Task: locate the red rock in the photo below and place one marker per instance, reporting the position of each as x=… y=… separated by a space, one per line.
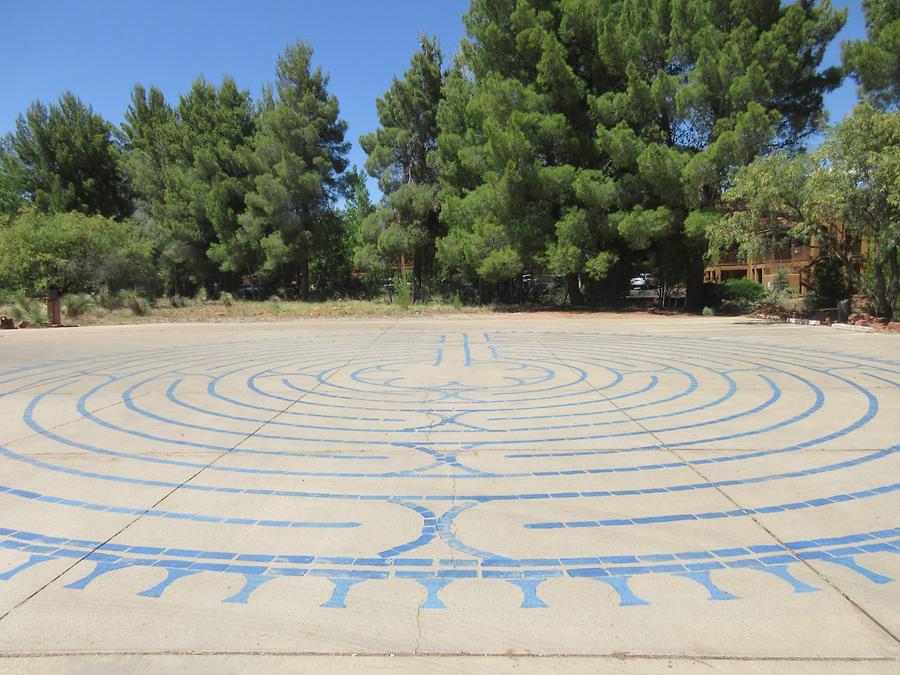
x=24 y=324
x=894 y=325
x=856 y=316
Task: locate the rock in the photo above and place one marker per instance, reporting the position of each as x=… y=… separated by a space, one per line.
x=24 y=324
x=851 y=327
x=856 y=316
x=894 y=325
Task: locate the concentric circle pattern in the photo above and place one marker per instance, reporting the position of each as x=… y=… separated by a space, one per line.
x=428 y=458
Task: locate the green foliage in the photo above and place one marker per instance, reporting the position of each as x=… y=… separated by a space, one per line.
x=568 y=137
x=70 y=159
x=845 y=198
x=12 y=181
x=830 y=280
x=190 y=166
x=853 y=198
x=709 y=311
x=398 y=156
x=765 y=202
x=581 y=131
x=76 y=304
x=456 y=302
x=226 y=298
x=136 y=302
x=742 y=290
x=403 y=291
x=201 y=295
x=109 y=300
x=299 y=154
x=72 y=251
x=875 y=62
x=31 y=310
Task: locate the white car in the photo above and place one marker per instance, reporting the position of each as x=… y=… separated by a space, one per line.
x=643 y=281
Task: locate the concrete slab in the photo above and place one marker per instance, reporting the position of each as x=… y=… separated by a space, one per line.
x=621 y=493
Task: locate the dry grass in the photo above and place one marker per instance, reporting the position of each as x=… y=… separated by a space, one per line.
x=162 y=311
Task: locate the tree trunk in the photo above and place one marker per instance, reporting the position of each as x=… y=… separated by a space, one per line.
x=894 y=280
x=417 y=276
x=304 y=278
x=576 y=297
x=882 y=304
x=693 y=301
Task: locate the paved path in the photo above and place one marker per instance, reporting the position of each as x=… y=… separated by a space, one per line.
x=625 y=493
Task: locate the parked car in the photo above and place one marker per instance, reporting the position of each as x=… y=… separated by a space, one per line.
x=249 y=292
x=643 y=281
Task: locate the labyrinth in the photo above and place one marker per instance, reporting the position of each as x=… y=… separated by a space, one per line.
x=506 y=457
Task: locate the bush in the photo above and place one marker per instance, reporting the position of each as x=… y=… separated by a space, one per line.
x=275 y=304
x=403 y=290
x=32 y=311
x=77 y=304
x=201 y=295
x=456 y=302
x=742 y=290
x=137 y=303
x=708 y=311
x=178 y=301
x=109 y=300
x=712 y=294
x=226 y=299
x=72 y=251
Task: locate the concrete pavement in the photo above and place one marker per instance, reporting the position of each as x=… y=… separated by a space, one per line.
x=617 y=493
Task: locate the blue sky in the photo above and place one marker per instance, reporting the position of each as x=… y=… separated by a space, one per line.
x=100 y=49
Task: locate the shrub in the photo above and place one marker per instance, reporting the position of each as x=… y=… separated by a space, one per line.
x=137 y=303
x=742 y=290
x=201 y=295
x=178 y=301
x=456 y=302
x=712 y=294
x=708 y=311
x=77 y=304
x=226 y=299
x=109 y=300
x=403 y=291
x=73 y=251
x=275 y=304
x=32 y=311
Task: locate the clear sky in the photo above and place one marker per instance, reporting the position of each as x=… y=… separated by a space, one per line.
x=100 y=48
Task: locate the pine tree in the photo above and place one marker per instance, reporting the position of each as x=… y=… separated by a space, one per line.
x=875 y=62
x=299 y=155
x=190 y=166
x=579 y=132
x=70 y=158
x=399 y=151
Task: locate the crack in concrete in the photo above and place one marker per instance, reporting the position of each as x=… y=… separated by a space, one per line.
x=734 y=502
x=194 y=475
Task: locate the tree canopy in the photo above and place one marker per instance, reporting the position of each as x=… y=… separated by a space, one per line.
x=574 y=134
x=583 y=140
x=70 y=159
x=875 y=61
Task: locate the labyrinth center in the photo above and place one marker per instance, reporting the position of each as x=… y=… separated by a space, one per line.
x=510 y=458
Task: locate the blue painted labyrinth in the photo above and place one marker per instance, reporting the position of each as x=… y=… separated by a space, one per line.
x=435 y=459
